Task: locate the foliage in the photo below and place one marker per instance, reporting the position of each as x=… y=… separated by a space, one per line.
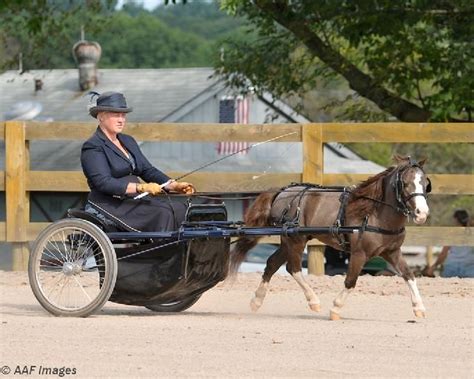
x=39 y=29
x=203 y=19
x=169 y=36
x=414 y=58
x=144 y=41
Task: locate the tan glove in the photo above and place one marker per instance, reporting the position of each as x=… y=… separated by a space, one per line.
x=151 y=188
x=181 y=187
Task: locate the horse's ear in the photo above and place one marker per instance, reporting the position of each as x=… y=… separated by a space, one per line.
x=397 y=158
x=422 y=162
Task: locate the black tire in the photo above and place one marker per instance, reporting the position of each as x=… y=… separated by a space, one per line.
x=176 y=306
x=72 y=268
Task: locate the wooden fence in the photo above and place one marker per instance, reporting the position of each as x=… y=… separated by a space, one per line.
x=18 y=180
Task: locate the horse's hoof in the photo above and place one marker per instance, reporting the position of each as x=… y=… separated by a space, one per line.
x=334 y=316
x=419 y=314
x=315 y=307
x=255 y=305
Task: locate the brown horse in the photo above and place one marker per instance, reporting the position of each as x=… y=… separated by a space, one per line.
x=381 y=204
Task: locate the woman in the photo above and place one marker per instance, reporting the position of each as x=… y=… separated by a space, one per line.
x=113 y=164
x=458 y=260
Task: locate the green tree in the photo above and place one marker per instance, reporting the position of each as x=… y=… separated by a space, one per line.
x=144 y=41
x=43 y=31
x=414 y=59
x=204 y=19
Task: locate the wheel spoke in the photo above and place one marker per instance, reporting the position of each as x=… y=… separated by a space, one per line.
x=50 y=254
x=82 y=288
x=56 y=284
x=51 y=267
x=94 y=280
x=49 y=264
x=55 y=245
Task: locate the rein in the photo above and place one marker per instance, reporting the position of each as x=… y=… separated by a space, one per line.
x=397 y=209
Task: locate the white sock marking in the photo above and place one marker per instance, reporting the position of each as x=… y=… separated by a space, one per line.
x=415 y=295
x=307 y=290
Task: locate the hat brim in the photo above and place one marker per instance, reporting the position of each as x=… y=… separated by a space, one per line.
x=95 y=110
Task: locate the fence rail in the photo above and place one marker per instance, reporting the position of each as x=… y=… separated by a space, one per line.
x=18 y=180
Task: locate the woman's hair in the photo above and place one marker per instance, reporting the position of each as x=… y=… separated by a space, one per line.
x=462 y=216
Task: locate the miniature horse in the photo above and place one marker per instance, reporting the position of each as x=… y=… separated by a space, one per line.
x=382 y=204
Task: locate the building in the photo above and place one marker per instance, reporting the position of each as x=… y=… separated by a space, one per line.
x=190 y=95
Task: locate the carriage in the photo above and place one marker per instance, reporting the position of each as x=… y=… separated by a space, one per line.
x=79 y=263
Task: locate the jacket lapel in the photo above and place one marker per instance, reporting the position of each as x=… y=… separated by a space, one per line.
x=131 y=148
x=108 y=143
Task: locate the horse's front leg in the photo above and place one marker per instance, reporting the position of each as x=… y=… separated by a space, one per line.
x=398 y=262
x=356 y=262
x=273 y=264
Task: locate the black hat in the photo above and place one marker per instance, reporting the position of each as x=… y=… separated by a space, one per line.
x=110 y=102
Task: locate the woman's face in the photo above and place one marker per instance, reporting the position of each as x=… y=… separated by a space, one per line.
x=112 y=122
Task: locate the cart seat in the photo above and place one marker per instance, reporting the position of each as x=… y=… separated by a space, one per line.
x=106 y=226
x=195 y=212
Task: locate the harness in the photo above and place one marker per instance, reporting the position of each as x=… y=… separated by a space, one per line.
x=284 y=218
x=343 y=238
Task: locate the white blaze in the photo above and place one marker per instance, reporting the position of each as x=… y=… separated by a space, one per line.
x=421 y=206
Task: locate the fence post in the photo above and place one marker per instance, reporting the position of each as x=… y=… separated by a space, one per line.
x=313 y=159
x=429 y=255
x=17 y=199
x=313 y=167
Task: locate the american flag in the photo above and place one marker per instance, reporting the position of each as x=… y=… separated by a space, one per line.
x=233 y=110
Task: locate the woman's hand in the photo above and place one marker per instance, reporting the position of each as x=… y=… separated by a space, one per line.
x=151 y=188
x=181 y=187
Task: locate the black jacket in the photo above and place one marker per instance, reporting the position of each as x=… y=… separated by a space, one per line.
x=108 y=170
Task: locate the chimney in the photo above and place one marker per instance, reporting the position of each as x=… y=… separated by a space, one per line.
x=87 y=54
x=38 y=85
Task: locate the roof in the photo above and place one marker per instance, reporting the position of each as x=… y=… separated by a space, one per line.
x=153 y=93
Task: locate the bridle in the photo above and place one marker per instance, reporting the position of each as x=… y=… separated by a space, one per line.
x=402 y=200
x=401 y=206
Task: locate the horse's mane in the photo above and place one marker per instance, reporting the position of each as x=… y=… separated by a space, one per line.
x=372 y=188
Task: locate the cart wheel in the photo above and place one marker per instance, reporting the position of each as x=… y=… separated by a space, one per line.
x=72 y=268
x=175 y=306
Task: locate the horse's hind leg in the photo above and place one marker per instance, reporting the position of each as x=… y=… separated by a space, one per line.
x=273 y=264
x=356 y=262
x=396 y=260
x=295 y=256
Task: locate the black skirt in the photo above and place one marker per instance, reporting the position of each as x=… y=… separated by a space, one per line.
x=148 y=214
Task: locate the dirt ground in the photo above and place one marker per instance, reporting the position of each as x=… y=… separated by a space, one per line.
x=220 y=337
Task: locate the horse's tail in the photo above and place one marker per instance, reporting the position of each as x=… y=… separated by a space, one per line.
x=257 y=215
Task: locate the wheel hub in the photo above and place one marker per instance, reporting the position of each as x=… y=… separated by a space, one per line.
x=71 y=268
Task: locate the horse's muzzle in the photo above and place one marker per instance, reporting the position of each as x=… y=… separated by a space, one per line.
x=420 y=219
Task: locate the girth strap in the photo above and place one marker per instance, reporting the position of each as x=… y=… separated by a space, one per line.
x=342 y=239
